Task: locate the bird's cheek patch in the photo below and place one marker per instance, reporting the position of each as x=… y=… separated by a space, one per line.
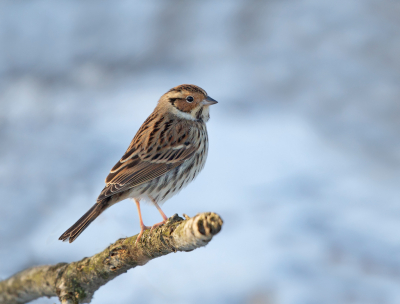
x=184 y=106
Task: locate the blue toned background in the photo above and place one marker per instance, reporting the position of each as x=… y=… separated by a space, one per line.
x=304 y=144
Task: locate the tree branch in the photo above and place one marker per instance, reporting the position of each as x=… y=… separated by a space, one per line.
x=76 y=282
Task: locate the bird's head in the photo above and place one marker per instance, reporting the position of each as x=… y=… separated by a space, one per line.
x=187 y=101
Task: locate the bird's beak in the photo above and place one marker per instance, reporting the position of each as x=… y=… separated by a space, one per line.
x=209 y=101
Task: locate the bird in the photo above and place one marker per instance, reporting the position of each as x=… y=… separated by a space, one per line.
x=166 y=154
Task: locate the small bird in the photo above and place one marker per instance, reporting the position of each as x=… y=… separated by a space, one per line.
x=166 y=154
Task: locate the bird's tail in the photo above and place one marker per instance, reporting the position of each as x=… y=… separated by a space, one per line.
x=76 y=229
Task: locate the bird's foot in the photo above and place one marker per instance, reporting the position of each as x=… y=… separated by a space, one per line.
x=158 y=225
x=142 y=229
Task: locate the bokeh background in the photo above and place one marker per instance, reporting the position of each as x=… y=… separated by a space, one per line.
x=305 y=142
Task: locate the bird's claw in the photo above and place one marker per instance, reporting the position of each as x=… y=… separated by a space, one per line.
x=143 y=228
x=157 y=225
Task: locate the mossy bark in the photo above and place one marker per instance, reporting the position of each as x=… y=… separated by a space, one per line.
x=76 y=282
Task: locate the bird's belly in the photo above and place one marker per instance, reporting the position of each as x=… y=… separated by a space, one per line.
x=166 y=186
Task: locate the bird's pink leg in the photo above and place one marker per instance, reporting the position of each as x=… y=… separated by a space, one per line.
x=142 y=226
x=162 y=214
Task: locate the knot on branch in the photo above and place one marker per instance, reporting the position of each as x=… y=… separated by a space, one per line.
x=197 y=231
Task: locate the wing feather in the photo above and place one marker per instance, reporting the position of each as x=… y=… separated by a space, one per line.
x=142 y=163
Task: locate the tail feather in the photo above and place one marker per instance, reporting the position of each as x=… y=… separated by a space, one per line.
x=76 y=229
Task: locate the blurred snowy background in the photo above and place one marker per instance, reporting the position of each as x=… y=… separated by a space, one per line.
x=305 y=142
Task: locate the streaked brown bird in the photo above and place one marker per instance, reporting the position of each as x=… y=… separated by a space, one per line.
x=166 y=154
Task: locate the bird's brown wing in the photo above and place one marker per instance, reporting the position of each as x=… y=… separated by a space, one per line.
x=139 y=165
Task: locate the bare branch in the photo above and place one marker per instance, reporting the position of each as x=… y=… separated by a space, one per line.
x=76 y=282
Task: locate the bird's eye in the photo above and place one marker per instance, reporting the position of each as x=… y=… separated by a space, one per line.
x=189 y=99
